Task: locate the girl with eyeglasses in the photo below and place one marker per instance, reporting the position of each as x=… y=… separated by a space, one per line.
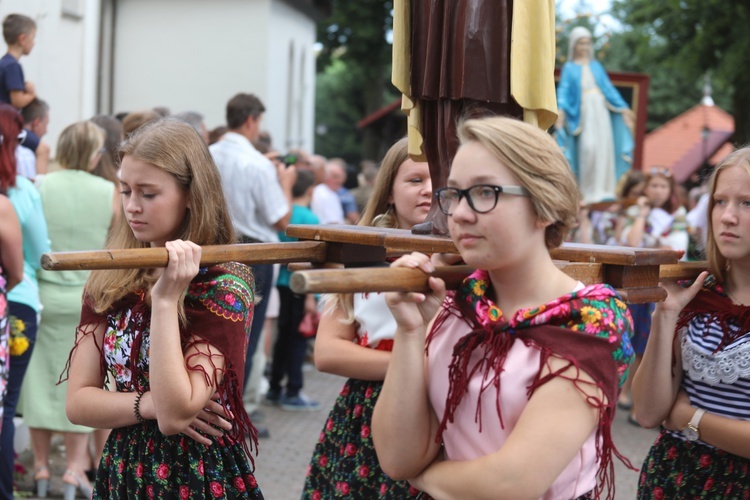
x=355 y=338
x=694 y=380
x=657 y=220
x=505 y=388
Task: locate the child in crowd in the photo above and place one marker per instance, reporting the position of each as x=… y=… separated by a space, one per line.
x=172 y=339
x=33 y=154
x=694 y=379
x=657 y=220
x=19 y=32
x=505 y=388
x=354 y=340
x=290 y=348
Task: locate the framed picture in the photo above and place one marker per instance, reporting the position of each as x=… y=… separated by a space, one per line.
x=634 y=89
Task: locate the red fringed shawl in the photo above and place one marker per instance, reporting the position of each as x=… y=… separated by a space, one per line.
x=219 y=309
x=590 y=329
x=713 y=301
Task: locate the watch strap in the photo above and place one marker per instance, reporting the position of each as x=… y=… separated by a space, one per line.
x=696 y=420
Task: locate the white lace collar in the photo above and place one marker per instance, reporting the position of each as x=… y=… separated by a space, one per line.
x=723 y=367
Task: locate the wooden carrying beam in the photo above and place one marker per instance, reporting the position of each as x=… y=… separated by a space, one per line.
x=635 y=272
x=387 y=279
x=336 y=244
x=249 y=253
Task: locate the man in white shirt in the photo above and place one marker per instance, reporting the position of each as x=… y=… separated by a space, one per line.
x=326 y=203
x=259 y=195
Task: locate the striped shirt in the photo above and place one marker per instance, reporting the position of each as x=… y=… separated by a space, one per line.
x=716 y=382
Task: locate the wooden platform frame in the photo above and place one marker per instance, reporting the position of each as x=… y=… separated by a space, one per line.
x=341 y=259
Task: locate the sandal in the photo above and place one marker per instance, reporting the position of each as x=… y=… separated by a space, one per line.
x=41 y=479
x=70 y=488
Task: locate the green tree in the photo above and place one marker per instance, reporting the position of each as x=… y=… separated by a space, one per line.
x=681 y=41
x=354 y=68
x=336 y=113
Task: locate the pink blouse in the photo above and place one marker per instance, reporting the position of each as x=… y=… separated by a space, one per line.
x=463 y=439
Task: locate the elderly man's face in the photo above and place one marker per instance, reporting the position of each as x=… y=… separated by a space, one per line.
x=335 y=177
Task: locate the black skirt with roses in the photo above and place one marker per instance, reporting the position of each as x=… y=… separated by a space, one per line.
x=675 y=468
x=344 y=463
x=141 y=462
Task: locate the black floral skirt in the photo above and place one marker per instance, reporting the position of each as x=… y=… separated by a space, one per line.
x=675 y=468
x=344 y=463
x=141 y=462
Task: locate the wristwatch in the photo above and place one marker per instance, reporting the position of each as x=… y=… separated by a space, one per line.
x=690 y=431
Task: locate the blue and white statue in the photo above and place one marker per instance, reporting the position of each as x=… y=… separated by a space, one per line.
x=594 y=122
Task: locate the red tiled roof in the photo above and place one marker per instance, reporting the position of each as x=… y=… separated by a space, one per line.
x=679 y=145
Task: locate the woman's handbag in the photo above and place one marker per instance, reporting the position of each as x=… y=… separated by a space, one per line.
x=308 y=327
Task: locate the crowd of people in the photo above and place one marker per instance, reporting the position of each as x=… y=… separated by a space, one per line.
x=504 y=388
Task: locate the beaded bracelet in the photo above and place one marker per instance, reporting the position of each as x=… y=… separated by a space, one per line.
x=137 y=408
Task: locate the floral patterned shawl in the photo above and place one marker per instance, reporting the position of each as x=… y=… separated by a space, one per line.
x=219 y=308
x=589 y=328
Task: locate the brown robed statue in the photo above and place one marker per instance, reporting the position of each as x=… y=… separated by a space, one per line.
x=470 y=58
x=451 y=58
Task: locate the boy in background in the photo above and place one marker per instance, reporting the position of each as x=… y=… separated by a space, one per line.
x=32 y=155
x=290 y=348
x=19 y=32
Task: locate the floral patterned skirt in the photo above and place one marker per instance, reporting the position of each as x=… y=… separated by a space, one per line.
x=344 y=463
x=141 y=462
x=675 y=468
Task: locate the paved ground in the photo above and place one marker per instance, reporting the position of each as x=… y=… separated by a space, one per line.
x=283 y=458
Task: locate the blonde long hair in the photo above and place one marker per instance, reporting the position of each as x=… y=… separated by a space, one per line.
x=377 y=213
x=717 y=263
x=176 y=148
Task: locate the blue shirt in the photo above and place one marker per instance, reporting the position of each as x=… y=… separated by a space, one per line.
x=31 y=140
x=28 y=205
x=347 y=201
x=300 y=215
x=11 y=77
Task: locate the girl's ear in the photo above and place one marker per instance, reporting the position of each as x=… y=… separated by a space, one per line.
x=543 y=224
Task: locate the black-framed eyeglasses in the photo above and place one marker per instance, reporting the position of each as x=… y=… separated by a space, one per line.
x=482 y=198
